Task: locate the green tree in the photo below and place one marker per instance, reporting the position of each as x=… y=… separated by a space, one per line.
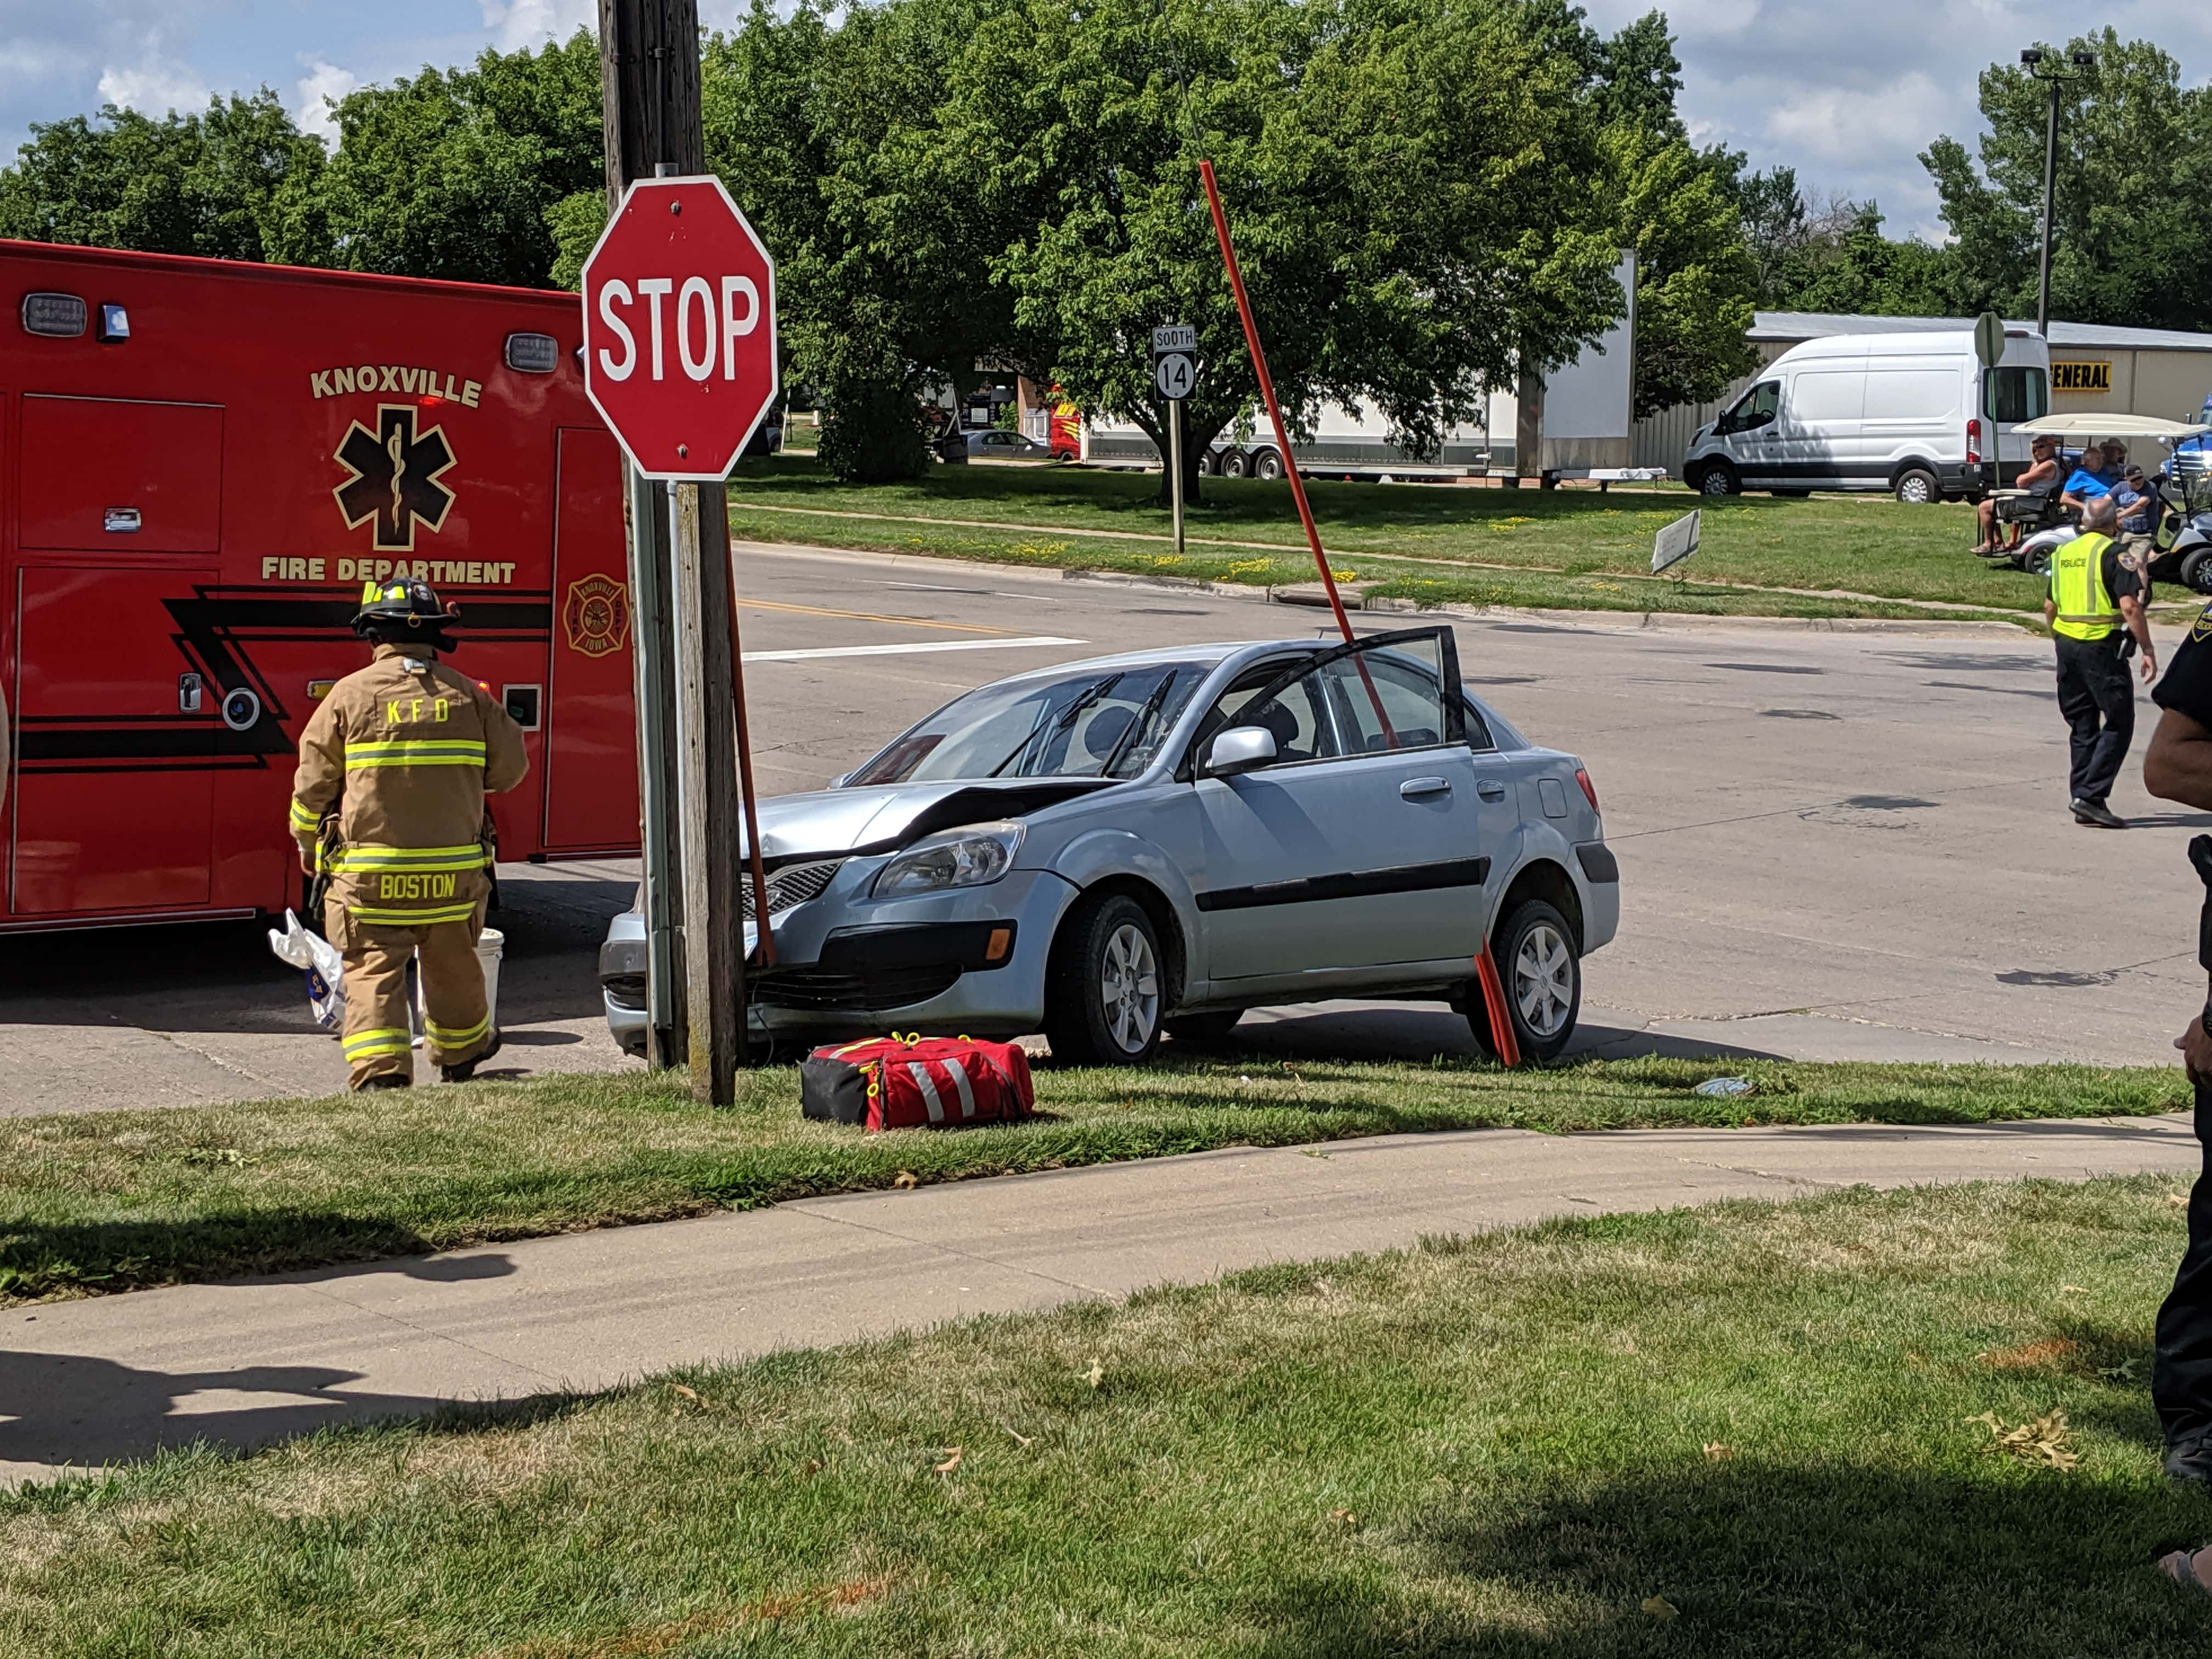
x=1681 y=211
x=2130 y=241
x=829 y=139
x=459 y=173
x=236 y=181
x=1869 y=274
x=1405 y=182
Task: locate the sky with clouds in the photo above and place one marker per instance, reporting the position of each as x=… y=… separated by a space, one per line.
x=1846 y=91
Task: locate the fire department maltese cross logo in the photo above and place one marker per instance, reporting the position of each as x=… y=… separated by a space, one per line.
x=395 y=478
x=595 y=616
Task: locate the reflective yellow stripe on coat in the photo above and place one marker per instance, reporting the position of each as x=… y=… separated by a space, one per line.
x=412 y=752
x=408 y=861
x=422 y=918
x=2086 y=611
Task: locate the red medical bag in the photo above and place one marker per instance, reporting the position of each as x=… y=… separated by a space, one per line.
x=917 y=1082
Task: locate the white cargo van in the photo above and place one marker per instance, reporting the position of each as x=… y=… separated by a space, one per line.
x=1900 y=412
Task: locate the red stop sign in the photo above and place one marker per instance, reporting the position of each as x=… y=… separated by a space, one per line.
x=679 y=328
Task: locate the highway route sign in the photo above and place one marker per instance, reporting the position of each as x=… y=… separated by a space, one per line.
x=1173 y=373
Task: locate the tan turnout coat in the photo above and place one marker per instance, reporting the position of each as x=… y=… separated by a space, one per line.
x=405 y=752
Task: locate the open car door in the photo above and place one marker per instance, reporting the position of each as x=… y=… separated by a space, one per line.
x=1356 y=847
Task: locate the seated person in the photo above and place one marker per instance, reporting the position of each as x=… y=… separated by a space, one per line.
x=2139 y=509
x=2039 y=477
x=2095 y=475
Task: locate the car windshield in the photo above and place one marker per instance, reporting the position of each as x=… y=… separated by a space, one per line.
x=1094 y=725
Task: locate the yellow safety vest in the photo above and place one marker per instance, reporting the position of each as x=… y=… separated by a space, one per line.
x=2086 y=611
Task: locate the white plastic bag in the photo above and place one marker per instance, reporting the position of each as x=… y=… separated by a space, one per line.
x=318 y=958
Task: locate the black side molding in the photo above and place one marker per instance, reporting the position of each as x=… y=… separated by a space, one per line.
x=1597 y=860
x=1350 y=883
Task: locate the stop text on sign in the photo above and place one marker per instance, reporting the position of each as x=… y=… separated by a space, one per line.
x=699 y=345
x=679 y=350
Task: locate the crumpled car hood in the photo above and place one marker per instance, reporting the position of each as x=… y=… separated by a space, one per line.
x=883 y=818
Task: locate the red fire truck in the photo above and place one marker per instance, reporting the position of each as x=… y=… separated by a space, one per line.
x=201 y=463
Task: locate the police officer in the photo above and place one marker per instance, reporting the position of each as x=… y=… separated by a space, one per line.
x=402 y=753
x=2093 y=608
x=2179 y=768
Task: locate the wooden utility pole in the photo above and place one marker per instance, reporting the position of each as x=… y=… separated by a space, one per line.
x=680 y=573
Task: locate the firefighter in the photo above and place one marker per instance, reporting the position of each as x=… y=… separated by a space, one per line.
x=401 y=754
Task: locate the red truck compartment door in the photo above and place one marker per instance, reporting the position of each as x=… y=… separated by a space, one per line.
x=591 y=735
x=109 y=475
x=115 y=789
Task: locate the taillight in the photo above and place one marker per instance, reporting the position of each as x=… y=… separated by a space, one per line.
x=1973 y=442
x=1590 y=789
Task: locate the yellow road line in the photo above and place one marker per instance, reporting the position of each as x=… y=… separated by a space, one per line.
x=870 y=615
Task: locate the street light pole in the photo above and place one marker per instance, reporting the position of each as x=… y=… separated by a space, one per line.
x=2055 y=75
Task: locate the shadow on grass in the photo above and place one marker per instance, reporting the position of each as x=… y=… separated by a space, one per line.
x=100 y=1257
x=1836 y=1562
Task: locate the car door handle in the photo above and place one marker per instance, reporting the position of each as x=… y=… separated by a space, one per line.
x=1489 y=789
x=188 y=694
x=1414 y=788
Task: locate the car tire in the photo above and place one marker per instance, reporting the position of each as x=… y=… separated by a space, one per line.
x=1233 y=465
x=1214 y=1027
x=1542 y=973
x=1107 y=985
x=1267 y=464
x=1918 y=487
x=1719 y=479
x=2195 y=572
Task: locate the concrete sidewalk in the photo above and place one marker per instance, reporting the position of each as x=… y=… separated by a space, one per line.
x=89 y=1382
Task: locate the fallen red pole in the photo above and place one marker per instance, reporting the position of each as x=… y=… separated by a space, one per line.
x=1267 y=395
x=1486 y=970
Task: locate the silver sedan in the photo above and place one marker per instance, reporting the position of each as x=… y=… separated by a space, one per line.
x=1107 y=851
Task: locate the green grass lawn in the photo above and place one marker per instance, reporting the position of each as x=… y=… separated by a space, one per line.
x=1745 y=1429
x=99 y=1202
x=1436 y=543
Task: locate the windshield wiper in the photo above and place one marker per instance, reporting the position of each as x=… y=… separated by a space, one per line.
x=1076 y=705
x=1145 y=716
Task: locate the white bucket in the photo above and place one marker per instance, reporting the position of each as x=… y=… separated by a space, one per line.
x=491 y=945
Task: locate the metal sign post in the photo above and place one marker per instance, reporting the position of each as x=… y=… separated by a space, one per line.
x=1988 y=346
x=1175 y=371
x=679 y=357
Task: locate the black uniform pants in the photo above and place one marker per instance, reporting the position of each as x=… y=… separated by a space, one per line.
x=2181 y=1367
x=2099 y=706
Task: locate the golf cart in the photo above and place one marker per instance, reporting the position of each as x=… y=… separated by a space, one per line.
x=2182 y=539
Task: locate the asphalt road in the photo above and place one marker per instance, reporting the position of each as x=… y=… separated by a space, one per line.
x=1832 y=845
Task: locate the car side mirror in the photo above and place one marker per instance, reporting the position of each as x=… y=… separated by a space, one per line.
x=1240 y=748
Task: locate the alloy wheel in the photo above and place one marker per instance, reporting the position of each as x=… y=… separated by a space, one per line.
x=1543 y=980
x=1129 y=987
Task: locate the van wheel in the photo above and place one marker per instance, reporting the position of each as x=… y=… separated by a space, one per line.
x=1719 y=479
x=1918 y=486
x=1103 y=1001
x=1267 y=464
x=1543 y=978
